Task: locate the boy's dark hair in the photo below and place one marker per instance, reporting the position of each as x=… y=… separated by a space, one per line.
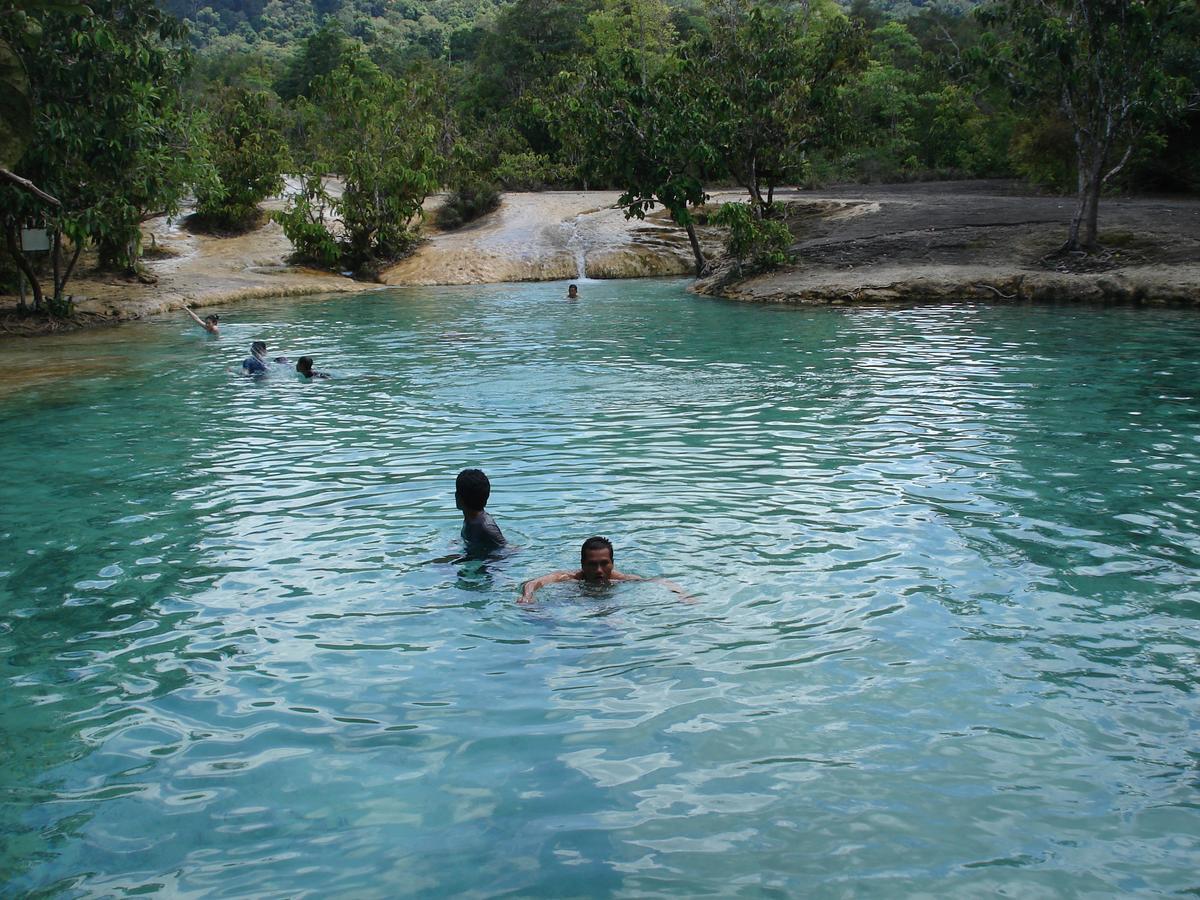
x=596 y=543
x=304 y=363
x=212 y=317
x=258 y=347
x=472 y=489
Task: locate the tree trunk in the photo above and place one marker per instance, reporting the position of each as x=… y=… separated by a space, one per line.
x=696 y=251
x=756 y=196
x=1084 y=224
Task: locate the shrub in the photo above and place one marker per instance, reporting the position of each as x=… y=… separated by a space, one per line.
x=247 y=152
x=467 y=203
x=529 y=171
x=1043 y=151
x=306 y=226
x=763 y=241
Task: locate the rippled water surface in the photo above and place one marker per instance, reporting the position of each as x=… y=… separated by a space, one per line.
x=944 y=638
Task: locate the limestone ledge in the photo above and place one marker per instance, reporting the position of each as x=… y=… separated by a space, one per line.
x=1142 y=285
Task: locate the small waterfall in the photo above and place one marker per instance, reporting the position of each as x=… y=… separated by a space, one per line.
x=575 y=245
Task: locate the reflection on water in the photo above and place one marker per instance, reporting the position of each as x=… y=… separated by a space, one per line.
x=945 y=639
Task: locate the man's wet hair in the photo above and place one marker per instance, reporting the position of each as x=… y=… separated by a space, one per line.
x=258 y=347
x=212 y=317
x=304 y=364
x=472 y=489
x=596 y=543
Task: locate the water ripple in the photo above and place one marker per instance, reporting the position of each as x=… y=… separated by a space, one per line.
x=944 y=641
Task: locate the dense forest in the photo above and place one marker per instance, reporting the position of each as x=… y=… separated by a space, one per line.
x=117 y=111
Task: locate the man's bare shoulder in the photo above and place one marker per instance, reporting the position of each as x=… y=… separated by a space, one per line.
x=625 y=576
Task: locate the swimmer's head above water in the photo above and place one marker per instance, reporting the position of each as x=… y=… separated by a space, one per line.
x=572 y=292
x=472 y=490
x=596 y=559
x=259 y=349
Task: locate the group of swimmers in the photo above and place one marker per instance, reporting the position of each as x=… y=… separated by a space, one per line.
x=472 y=489
x=256 y=362
x=481 y=536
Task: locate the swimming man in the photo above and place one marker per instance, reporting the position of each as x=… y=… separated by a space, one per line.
x=572 y=292
x=595 y=567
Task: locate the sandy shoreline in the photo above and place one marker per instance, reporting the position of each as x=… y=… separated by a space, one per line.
x=931 y=242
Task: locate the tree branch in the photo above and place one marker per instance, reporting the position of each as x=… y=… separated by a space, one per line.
x=28 y=186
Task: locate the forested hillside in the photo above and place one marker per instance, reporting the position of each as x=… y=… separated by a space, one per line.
x=428 y=26
x=123 y=110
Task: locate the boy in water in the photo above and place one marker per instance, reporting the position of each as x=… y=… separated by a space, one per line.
x=480 y=533
x=209 y=323
x=304 y=365
x=572 y=292
x=255 y=364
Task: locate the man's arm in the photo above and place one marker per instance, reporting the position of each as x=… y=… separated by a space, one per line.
x=532 y=587
x=676 y=589
x=195 y=318
x=669 y=585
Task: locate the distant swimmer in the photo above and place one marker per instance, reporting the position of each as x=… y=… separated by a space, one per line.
x=572 y=292
x=480 y=533
x=304 y=365
x=255 y=363
x=595 y=567
x=209 y=323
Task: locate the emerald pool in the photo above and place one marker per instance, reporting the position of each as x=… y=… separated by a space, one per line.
x=945 y=638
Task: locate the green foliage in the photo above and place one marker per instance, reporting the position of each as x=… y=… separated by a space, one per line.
x=1104 y=63
x=640 y=136
x=762 y=241
x=307 y=225
x=111 y=138
x=322 y=53
x=1043 y=151
x=466 y=203
x=248 y=154
x=379 y=136
x=763 y=82
x=529 y=171
x=642 y=28
x=16 y=111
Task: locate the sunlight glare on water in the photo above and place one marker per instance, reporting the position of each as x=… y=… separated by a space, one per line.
x=944 y=639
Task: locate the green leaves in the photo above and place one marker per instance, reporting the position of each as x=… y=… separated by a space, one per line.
x=16 y=110
x=380 y=136
x=247 y=153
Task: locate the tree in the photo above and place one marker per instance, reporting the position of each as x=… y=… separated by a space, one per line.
x=1101 y=61
x=322 y=53
x=641 y=27
x=248 y=154
x=764 y=81
x=379 y=135
x=639 y=136
x=111 y=138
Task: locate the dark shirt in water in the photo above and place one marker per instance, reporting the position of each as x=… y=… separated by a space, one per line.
x=481 y=534
x=252 y=365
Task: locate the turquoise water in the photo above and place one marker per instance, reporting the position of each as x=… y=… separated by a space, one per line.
x=945 y=638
